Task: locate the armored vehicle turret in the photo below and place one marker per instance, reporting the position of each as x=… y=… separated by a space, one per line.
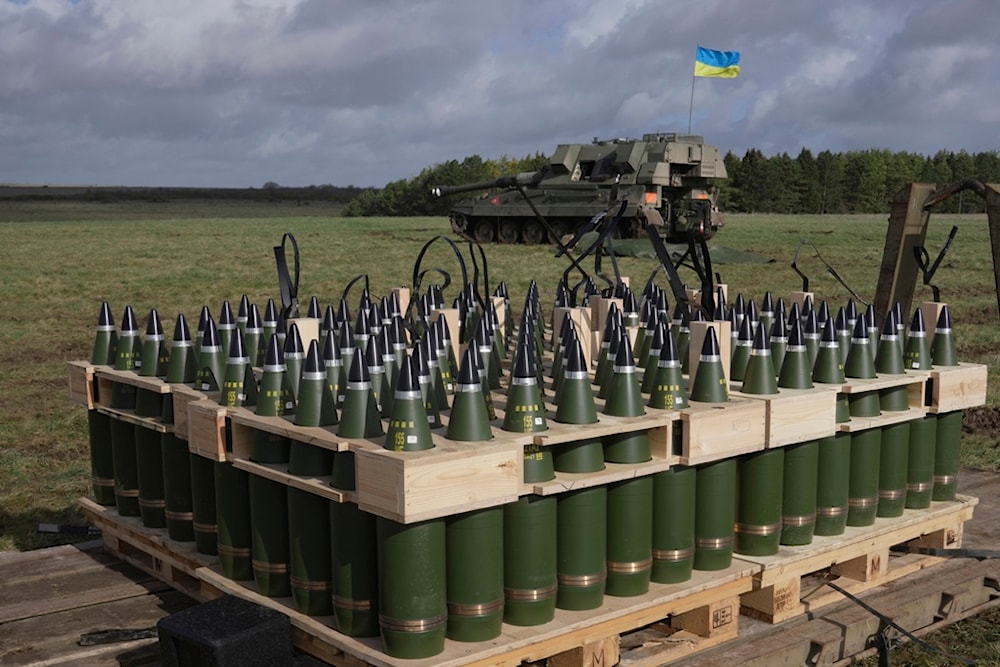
x=673 y=174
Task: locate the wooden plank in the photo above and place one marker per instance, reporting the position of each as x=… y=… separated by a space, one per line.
x=613 y=472
x=278 y=472
x=862 y=385
x=797 y=415
x=183 y=396
x=134 y=419
x=713 y=431
x=884 y=419
x=957 y=387
x=207 y=429
x=51 y=639
x=452 y=477
x=52 y=595
x=244 y=422
x=80 y=377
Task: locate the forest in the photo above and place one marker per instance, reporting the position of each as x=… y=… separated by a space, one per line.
x=824 y=183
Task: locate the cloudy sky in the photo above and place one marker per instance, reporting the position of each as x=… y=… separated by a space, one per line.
x=238 y=92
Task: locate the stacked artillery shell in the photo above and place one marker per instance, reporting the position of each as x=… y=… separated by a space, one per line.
x=102 y=463
x=741 y=351
x=408 y=428
x=923 y=431
x=778 y=341
x=895 y=445
x=715 y=491
x=178 y=491
x=525 y=409
x=799 y=492
x=413 y=609
x=947 y=449
x=654 y=343
x=226 y=325
x=360 y=417
x=333 y=366
x=179 y=464
x=582 y=515
x=605 y=356
x=630 y=503
x=211 y=358
x=529 y=560
x=681 y=328
x=760 y=376
x=354 y=552
x=709 y=383
x=294 y=354
x=866 y=446
x=668 y=388
x=834 y=451
x=759 y=509
x=269 y=499
x=377 y=376
x=475 y=574
x=673 y=525
x=469 y=420
x=796 y=368
x=811 y=335
x=235 y=540
x=311 y=576
x=148 y=442
x=123 y=432
x=425 y=381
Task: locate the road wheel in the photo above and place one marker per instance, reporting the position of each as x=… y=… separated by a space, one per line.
x=484 y=232
x=534 y=233
x=508 y=231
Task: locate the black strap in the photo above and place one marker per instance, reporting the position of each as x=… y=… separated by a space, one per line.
x=881 y=639
x=289 y=289
x=920 y=254
x=981 y=554
x=830 y=270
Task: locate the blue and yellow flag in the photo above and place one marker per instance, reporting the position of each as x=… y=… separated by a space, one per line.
x=723 y=64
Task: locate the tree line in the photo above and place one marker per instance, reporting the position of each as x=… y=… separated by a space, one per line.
x=837 y=183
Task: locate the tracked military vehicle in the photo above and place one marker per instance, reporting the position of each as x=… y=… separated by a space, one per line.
x=672 y=175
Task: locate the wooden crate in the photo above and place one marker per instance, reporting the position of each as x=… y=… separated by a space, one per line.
x=452 y=477
x=81 y=382
x=207 y=429
x=184 y=396
x=713 y=431
x=797 y=415
x=857 y=560
x=107 y=377
x=957 y=387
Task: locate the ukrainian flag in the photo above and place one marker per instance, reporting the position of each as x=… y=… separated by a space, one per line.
x=723 y=64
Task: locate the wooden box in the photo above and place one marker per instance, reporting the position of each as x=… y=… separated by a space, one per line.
x=81 y=382
x=452 y=477
x=797 y=415
x=713 y=431
x=957 y=387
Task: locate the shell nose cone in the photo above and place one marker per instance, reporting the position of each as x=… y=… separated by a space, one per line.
x=273 y=355
x=182 y=334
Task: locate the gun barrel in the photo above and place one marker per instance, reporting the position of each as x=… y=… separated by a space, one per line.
x=528 y=178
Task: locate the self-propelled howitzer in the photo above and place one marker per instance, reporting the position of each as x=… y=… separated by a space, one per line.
x=674 y=175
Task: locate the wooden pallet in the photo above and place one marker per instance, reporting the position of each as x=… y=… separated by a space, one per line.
x=699 y=613
x=149 y=549
x=793 y=582
x=703 y=611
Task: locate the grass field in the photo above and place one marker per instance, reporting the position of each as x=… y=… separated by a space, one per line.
x=60 y=260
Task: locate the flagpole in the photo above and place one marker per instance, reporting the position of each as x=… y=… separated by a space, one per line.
x=691 y=106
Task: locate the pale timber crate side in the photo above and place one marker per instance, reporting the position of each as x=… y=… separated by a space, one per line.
x=713 y=431
x=81 y=382
x=798 y=415
x=130 y=417
x=278 y=472
x=451 y=478
x=243 y=423
x=957 y=387
x=183 y=396
x=207 y=434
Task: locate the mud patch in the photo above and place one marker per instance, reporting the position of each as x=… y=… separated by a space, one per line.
x=984 y=420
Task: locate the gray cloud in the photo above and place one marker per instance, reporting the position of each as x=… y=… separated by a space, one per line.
x=238 y=92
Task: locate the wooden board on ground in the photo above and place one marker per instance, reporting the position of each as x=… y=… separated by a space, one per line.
x=50 y=597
